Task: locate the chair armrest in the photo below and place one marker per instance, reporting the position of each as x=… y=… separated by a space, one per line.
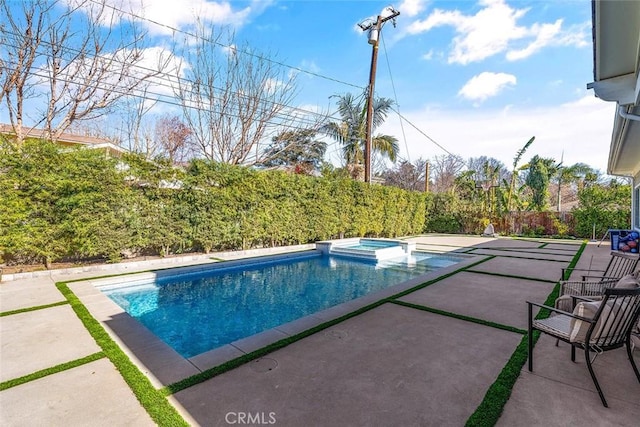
x=557 y=310
x=572 y=269
x=577 y=287
x=586 y=299
x=586 y=269
x=594 y=276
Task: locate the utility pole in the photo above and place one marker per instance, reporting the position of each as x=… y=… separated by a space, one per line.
x=426 y=178
x=374 y=28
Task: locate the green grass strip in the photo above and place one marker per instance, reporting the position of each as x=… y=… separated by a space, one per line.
x=527 y=258
x=574 y=261
x=220 y=369
x=491 y=407
x=511 y=276
x=154 y=402
x=28 y=309
x=50 y=371
x=489 y=411
x=437 y=279
x=461 y=317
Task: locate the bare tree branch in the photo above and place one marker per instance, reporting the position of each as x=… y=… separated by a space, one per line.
x=233 y=101
x=87 y=71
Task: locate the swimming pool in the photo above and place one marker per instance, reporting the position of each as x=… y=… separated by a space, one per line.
x=197 y=312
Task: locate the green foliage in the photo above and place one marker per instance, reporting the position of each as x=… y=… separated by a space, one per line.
x=153 y=401
x=443 y=215
x=450 y=213
x=606 y=206
x=351 y=130
x=78 y=204
x=299 y=149
x=540 y=172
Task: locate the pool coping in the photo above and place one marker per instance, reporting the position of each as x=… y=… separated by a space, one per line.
x=165 y=366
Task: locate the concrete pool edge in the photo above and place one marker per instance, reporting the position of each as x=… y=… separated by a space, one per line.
x=164 y=366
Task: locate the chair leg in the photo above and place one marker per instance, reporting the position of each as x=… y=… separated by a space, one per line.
x=633 y=362
x=530 y=340
x=593 y=376
x=573 y=353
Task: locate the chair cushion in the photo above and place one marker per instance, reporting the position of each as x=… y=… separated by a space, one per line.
x=604 y=327
x=579 y=328
x=630 y=281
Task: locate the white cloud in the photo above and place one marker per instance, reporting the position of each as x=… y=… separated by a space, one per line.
x=494 y=29
x=411 y=7
x=160 y=16
x=581 y=128
x=545 y=35
x=428 y=56
x=486 y=85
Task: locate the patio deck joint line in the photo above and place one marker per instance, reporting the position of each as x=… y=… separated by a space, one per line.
x=52 y=370
x=151 y=399
x=512 y=276
x=241 y=360
x=461 y=317
x=34 y=308
x=492 y=405
x=248 y=357
x=529 y=258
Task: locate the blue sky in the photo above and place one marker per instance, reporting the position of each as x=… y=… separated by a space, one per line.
x=480 y=77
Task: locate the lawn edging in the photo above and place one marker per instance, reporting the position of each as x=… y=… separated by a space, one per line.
x=151 y=399
x=491 y=407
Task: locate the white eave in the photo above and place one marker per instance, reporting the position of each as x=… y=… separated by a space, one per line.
x=621 y=89
x=616 y=58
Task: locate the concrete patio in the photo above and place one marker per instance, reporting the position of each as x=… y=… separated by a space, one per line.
x=395 y=364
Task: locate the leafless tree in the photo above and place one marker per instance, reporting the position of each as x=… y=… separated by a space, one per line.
x=234 y=99
x=71 y=49
x=444 y=170
x=20 y=42
x=138 y=127
x=407 y=175
x=173 y=136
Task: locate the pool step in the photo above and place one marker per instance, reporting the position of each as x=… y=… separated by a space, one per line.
x=375 y=255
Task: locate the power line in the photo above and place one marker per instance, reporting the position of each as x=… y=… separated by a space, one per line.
x=423 y=133
x=284 y=120
x=177 y=30
x=395 y=95
x=170 y=78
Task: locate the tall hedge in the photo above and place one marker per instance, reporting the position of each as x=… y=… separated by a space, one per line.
x=77 y=204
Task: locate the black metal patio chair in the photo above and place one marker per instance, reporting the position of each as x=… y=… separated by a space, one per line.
x=594 y=326
x=620 y=264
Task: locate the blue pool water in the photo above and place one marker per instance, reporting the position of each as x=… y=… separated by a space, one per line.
x=199 y=312
x=371 y=246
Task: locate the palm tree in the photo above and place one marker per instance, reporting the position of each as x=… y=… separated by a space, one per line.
x=350 y=131
x=569 y=175
x=514 y=173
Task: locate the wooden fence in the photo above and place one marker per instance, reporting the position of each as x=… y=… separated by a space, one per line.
x=535 y=223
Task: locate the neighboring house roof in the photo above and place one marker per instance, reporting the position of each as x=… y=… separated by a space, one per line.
x=67 y=139
x=616 y=60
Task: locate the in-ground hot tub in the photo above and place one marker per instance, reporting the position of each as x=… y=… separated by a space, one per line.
x=367 y=249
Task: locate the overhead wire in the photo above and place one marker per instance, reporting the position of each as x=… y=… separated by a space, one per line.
x=284 y=120
x=395 y=95
x=282 y=117
x=423 y=133
x=215 y=42
x=170 y=79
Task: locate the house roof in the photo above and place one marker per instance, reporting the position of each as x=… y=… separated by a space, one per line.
x=68 y=139
x=616 y=58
